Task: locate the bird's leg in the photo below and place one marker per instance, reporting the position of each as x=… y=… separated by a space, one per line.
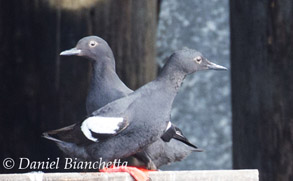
x=137 y=174
x=146 y=158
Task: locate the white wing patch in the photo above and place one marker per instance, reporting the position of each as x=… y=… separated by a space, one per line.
x=169 y=125
x=100 y=125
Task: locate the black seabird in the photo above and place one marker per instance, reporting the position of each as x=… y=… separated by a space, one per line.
x=128 y=125
x=106 y=87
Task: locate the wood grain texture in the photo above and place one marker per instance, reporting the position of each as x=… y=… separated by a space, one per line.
x=198 y=175
x=262 y=76
x=41 y=90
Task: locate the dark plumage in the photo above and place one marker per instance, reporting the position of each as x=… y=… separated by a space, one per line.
x=106 y=86
x=149 y=106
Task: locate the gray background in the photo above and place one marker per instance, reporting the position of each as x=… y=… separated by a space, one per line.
x=202 y=109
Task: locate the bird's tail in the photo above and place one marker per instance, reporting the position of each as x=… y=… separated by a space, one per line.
x=177 y=134
x=47 y=136
x=70 y=149
x=197 y=150
x=186 y=141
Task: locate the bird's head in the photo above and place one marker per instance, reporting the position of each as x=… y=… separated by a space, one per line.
x=190 y=61
x=91 y=47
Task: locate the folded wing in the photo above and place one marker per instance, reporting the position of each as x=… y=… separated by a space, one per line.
x=97 y=128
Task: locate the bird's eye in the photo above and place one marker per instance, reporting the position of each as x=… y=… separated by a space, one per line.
x=198 y=59
x=93 y=43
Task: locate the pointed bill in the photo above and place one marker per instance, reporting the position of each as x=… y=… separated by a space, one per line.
x=214 y=66
x=73 y=51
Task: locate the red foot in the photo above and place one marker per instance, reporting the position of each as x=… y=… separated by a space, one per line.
x=139 y=174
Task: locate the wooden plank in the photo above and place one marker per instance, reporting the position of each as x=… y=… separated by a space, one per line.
x=202 y=175
x=262 y=76
x=42 y=91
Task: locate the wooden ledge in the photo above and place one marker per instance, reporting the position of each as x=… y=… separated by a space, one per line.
x=199 y=175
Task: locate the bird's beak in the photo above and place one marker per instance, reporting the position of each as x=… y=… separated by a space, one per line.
x=214 y=66
x=73 y=51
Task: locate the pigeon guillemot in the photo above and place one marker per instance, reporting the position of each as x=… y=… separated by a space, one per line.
x=106 y=87
x=128 y=125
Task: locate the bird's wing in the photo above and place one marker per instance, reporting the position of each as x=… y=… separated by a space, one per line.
x=97 y=128
x=70 y=134
x=174 y=132
x=169 y=132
